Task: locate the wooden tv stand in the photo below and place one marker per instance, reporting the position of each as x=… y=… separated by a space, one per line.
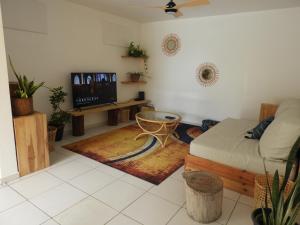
x=112 y=109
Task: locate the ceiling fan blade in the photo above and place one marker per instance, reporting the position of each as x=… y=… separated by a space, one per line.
x=178 y=14
x=156 y=7
x=193 y=3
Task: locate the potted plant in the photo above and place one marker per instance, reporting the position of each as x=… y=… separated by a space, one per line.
x=136 y=51
x=22 y=102
x=283 y=210
x=135 y=76
x=59 y=118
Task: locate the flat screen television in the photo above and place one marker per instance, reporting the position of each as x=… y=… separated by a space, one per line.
x=91 y=89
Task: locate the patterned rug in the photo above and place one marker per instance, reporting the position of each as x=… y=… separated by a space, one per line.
x=143 y=158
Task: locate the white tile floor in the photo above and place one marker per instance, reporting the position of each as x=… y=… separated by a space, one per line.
x=79 y=191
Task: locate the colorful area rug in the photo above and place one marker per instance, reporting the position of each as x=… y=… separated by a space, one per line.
x=143 y=158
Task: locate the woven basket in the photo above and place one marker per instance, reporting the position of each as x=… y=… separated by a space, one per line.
x=260 y=189
x=51 y=137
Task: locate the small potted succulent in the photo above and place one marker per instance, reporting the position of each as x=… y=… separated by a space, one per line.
x=22 y=102
x=283 y=210
x=59 y=118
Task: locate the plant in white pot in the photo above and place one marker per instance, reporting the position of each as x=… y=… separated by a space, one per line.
x=283 y=210
x=59 y=118
x=22 y=102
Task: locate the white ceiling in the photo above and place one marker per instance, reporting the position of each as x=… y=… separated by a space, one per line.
x=138 y=10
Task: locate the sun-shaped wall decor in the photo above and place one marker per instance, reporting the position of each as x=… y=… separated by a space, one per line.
x=171 y=45
x=207 y=74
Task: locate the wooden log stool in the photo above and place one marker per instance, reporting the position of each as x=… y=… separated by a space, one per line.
x=204 y=196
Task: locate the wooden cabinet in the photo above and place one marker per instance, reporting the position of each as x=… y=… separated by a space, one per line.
x=31 y=142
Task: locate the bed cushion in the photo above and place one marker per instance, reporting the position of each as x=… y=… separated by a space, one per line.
x=225 y=143
x=279 y=138
x=288 y=104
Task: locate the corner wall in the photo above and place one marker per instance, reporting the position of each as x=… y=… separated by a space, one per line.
x=256 y=53
x=8 y=164
x=73 y=43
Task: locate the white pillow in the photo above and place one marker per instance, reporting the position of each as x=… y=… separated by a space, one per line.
x=293 y=103
x=280 y=136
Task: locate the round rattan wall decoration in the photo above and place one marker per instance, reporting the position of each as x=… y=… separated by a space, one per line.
x=207 y=74
x=171 y=45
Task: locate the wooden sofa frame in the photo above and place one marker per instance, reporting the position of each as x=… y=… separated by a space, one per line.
x=238 y=180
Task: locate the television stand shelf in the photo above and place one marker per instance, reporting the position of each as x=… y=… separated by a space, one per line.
x=134 y=82
x=112 y=113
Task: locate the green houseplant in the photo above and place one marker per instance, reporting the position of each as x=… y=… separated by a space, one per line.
x=59 y=118
x=136 y=51
x=22 y=102
x=283 y=210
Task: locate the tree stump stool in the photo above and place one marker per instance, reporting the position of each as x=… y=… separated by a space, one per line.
x=204 y=196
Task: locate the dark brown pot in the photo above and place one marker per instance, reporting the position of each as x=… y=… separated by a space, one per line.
x=59 y=133
x=135 y=77
x=22 y=106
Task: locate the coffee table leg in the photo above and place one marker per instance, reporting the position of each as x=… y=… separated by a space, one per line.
x=140 y=135
x=162 y=134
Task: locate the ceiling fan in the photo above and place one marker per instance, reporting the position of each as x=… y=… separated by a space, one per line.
x=173 y=9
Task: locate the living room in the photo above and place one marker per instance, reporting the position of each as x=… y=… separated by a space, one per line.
x=120 y=161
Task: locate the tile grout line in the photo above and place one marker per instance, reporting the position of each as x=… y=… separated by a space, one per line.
x=112 y=218
x=146 y=192
x=88 y=196
x=64 y=182
x=69 y=163
x=131 y=218
x=27 y=200
x=235 y=205
x=116 y=178
x=176 y=212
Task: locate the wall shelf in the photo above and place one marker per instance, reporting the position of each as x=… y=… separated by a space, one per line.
x=132 y=57
x=134 y=82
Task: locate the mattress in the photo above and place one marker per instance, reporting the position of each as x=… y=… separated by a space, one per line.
x=225 y=143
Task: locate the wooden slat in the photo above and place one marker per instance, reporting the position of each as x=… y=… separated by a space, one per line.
x=134 y=82
x=107 y=107
x=31 y=137
x=267 y=110
x=235 y=179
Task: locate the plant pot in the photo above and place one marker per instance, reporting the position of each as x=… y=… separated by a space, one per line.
x=22 y=106
x=257 y=216
x=51 y=137
x=135 y=77
x=59 y=133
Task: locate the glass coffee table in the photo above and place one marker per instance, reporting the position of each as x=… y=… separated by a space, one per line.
x=157 y=124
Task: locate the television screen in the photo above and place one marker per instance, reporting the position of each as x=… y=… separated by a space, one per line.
x=93 y=89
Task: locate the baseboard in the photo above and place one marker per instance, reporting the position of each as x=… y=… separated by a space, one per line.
x=7 y=179
x=191 y=123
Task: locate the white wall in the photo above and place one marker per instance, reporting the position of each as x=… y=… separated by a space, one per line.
x=73 y=43
x=8 y=165
x=257 y=54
